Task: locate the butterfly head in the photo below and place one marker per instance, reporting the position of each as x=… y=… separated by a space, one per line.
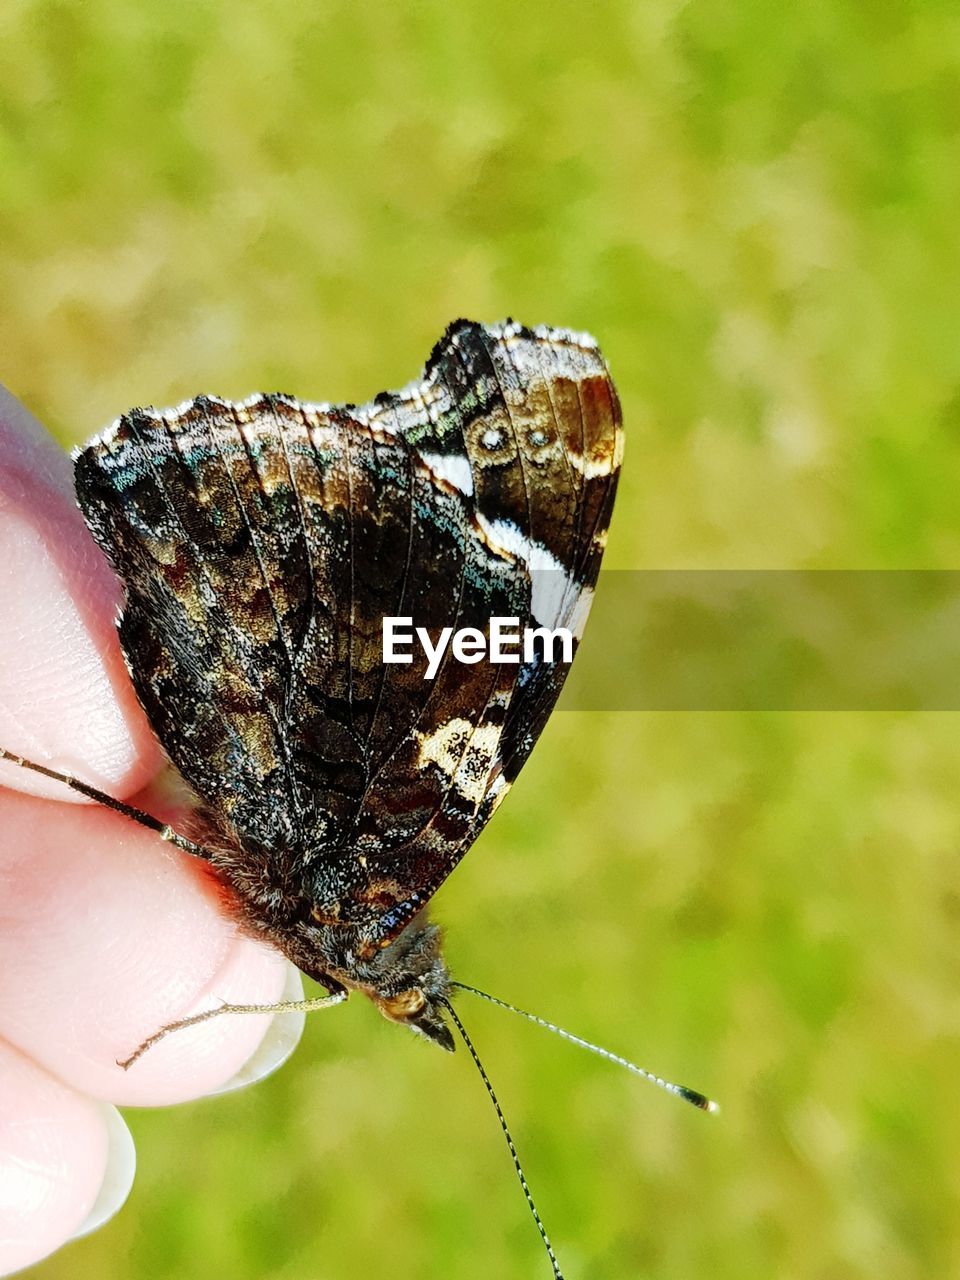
x=411 y=983
x=407 y=979
x=415 y=1009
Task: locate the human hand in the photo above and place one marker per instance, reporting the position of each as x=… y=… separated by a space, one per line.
x=106 y=933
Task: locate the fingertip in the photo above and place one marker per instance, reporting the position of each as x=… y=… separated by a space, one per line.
x=221 y=1053
x=54 y=1152
x=280 y=1039
x=118 y=1174
x=65 y=695
x=110 y=934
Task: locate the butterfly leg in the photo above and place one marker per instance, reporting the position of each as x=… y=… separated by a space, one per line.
x=284 y=1006
x=136 y=815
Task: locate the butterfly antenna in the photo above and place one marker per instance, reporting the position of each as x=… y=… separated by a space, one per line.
x=693 y=1096
x=557 y=1273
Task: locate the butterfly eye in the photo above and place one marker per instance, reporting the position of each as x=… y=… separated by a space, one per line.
x=405 y=1005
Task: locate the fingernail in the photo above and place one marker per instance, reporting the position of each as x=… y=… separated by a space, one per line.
x=283 y=1036
x=118 y=1178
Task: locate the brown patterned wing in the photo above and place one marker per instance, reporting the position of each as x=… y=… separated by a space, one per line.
x=261 y=545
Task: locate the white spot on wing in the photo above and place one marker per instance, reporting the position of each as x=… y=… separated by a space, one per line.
x=444 y=746
x=455 y=470
x=555 y=598
x=464 y=753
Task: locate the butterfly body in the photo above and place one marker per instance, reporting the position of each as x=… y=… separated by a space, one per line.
x=261 y=545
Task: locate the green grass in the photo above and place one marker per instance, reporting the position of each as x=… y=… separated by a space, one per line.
x=754 y=207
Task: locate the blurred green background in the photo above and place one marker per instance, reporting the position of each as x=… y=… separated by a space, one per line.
x=755 y=208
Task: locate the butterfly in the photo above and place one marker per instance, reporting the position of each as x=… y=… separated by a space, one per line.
x=264 y=544
x=261 y=544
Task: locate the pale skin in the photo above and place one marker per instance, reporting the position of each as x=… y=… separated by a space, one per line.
x=106 y=932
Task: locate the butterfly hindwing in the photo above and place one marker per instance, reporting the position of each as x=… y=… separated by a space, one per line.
x=261 y=545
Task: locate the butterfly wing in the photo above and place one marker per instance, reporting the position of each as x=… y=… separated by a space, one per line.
x=261 y=545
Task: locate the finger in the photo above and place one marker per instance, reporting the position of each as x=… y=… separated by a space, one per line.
x=109 y=934
x=54 y=1152
x=65 y=696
